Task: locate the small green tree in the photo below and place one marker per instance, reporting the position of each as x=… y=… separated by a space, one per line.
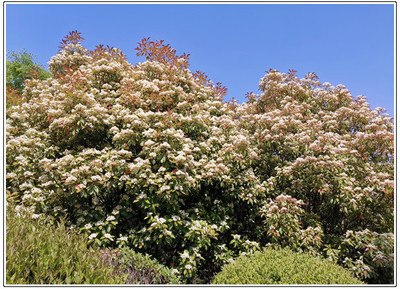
x=20 y=66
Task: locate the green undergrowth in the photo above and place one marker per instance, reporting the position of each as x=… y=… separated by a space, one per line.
x=38 y=252
x=41 y=251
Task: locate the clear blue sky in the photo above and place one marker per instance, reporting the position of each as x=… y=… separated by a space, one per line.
x=351 y=44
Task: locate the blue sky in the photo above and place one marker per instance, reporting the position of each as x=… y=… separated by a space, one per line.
x=350 y=44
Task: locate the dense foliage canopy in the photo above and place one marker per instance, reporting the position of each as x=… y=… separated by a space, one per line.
x=149 y=156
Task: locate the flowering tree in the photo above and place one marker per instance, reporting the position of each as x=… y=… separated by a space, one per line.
x=148 y=156
x=317 y=144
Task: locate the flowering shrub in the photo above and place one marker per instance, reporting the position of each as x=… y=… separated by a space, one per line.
x=317 y=144
x=148 y=156
x=145 y=156
x=368 y=254
x=284 y=226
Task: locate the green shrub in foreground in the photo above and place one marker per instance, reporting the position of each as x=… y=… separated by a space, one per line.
x=282 y=266
x=39 y=254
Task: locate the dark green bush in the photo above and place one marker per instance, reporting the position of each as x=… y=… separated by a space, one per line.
x=39 y=253
x=282 y=266
x=141 y=269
